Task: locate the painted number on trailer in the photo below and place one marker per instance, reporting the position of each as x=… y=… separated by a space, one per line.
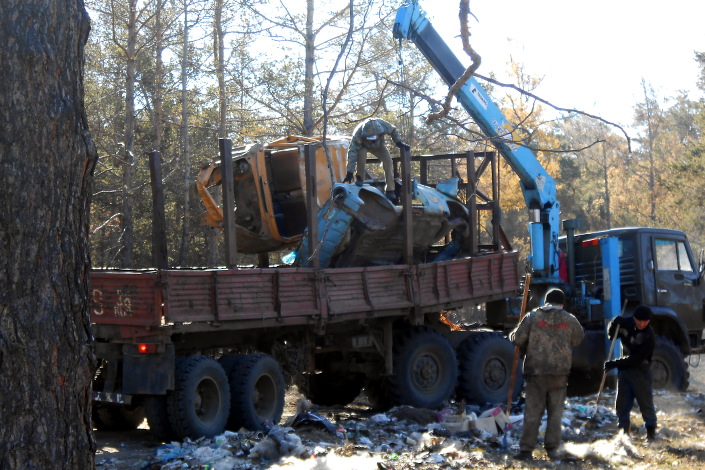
x=123 y=306
x=97 y=295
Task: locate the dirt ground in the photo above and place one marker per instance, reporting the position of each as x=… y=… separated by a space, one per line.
x=370 y=442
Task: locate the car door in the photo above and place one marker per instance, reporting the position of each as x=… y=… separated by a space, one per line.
x=676 y=279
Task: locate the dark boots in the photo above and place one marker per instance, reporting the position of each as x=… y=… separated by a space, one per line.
x=651 y=433
x=626 y=429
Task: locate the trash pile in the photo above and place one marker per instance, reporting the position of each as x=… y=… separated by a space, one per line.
x=459 y=436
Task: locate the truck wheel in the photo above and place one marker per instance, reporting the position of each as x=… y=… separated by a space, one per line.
x=200 y=403
x=155 y=408
x=108 y=417
x=257 y=390
x=670 y=371
x=486 y=361
x=425 y=369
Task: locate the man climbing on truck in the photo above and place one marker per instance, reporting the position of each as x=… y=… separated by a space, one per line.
x=635 y=377
x=369 y=137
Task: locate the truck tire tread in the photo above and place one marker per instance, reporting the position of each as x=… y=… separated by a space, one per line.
x=257 y=390
x=669 y=368
x=425 y=368
x=187 y=394
x=485 y=366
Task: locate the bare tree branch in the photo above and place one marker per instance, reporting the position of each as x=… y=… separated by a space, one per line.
x=558 y=108
x=483 y=137
x=469 y=72
x=342 y=52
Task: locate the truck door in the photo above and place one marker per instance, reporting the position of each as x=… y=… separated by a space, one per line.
x=676 y=279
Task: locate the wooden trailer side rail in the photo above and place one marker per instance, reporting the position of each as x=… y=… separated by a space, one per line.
x=275 y=297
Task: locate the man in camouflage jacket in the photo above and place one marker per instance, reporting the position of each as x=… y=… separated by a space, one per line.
x=547 y=335
x=368 y=136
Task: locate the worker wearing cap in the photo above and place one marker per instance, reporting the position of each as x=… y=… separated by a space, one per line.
x=369 y=137
x=547 y=335
x=635 y=381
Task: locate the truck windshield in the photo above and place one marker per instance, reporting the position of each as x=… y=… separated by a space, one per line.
x=672 y=255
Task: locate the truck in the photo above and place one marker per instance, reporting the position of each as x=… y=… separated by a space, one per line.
x=366 y=306
x=604 y=274
x=198 y=351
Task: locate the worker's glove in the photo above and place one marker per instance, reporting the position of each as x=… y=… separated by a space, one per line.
x=609 y=365
x=402 y=145
x=348 y=177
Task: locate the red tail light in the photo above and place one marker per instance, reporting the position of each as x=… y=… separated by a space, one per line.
x=147 y=348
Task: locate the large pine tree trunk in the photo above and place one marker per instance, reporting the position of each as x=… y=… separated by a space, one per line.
x=128 y=170
x=187 y=179
x=309 y=62
x=46 y=163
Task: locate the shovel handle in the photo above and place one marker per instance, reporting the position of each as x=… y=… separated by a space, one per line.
x=609 y=357
x=515 y=363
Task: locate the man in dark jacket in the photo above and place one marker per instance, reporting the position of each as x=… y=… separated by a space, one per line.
x=548 y=335
x=368 y=136
x=635 y=379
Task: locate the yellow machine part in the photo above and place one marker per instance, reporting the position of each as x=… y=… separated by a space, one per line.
x=279 y=177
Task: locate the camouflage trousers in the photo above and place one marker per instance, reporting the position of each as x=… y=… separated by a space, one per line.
x=543 y=393
x=385 y=157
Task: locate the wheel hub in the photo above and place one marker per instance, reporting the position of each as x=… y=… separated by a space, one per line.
x=427 y=372
x=495 y=374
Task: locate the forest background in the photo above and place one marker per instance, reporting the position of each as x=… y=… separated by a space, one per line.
x=177 y=75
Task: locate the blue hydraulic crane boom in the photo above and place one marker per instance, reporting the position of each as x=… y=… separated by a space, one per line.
x=538 y=186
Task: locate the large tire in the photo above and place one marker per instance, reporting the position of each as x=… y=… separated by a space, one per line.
x=670 y=371
x=155 y=408
x=257 y=389
x=425 y=369
x=113 y=417
x=200 y=403
x=485 y=363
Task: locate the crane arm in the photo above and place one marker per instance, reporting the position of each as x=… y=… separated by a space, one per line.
x=539 y=188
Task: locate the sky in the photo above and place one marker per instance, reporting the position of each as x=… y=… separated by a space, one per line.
x=592 y=55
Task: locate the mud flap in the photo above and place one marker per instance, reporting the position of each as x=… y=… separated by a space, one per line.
x=149 y=374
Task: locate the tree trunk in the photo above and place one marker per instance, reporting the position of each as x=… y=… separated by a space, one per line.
x=185 y=144
x=128 y=169
x=219 y=55
x=219 y=59
x=308 y=70
x=159 y=46
x=606 y=182
x=46 y=162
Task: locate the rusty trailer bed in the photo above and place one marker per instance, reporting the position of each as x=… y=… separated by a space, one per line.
x=141 y=303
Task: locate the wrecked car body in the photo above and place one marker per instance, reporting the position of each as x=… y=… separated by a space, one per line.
x=359 y=226
x=270 y=190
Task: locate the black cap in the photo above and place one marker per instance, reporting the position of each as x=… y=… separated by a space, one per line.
x=555 y=296
x=642 y=313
